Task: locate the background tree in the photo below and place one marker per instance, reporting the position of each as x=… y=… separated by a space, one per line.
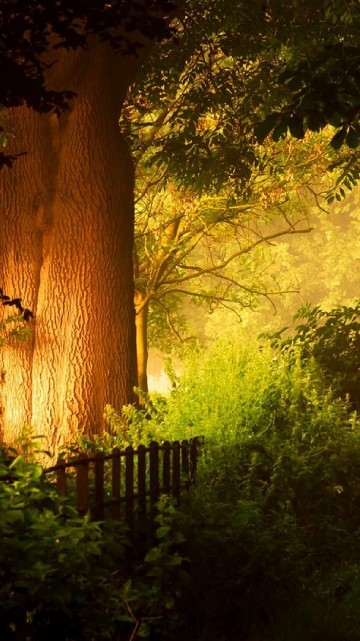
x=209 y=251
x=207 y=194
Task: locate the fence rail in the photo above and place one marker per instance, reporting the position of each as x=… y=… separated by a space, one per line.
x=127 y=484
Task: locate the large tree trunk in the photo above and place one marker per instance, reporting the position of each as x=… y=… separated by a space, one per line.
x=66 y=248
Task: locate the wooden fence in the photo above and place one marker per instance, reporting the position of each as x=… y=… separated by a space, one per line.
x=126 y=485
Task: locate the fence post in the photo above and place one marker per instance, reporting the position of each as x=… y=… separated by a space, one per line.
x=176 y=471
x=116 y=484
x=61 y=477
x=82 y=484
x=98 y=509
x=141 y=479
x=166 y=467
x=129 y=489
x=185 y=462
x=194 y=453
x=185 y=456
x=154 y=476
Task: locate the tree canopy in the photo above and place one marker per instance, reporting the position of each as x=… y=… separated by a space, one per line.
x=324 y=83
x=32 y=32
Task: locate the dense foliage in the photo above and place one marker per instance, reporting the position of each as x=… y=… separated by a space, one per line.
x=68 y=578
x=272 y=524
x=325 y=82
x=332 y=339
x=274 y=520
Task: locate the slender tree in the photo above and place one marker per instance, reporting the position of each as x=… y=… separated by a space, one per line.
x=207 y=194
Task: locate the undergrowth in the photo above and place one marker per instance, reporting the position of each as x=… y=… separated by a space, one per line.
x=67 y=578
x=265 y=546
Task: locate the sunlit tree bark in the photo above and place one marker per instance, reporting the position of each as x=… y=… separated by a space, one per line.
x=142 y=314
x=66 y=248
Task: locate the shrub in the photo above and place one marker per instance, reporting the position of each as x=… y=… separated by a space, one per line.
x=49 y=562
x=273 y=524
x=269 y=536
x=66 y=578
x=332 y=339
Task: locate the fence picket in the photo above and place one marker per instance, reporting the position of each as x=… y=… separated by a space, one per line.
x=61 y=477
x=166 y=467
x=154 y=477
x=142 y=480
x=133 y=476
x=82 y=484
x=185 y=457
x=176 y=471
x=98 y=508
x=116 y=484
x=129 y=488
x=194 y=453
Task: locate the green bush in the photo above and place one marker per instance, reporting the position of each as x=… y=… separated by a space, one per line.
x=273 y=524
x=332 y=339
x=266 y=545
x=66 y=578
x=53 y=564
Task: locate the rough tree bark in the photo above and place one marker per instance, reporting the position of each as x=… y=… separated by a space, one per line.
x=66 y=241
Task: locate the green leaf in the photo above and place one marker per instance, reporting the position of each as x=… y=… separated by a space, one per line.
x=15 y=516
x=162 y=531
x=280 y=131
x=338 y=140
x=153 y=555
x=177 y=538
x=315 y=121
x=169 y=603
x=174 y=560
x=296 y=127
x=126 y=618
x=352 y=138
x=262 y=129
x=144 y=630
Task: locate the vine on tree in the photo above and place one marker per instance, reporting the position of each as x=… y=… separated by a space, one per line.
x=18 y=322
